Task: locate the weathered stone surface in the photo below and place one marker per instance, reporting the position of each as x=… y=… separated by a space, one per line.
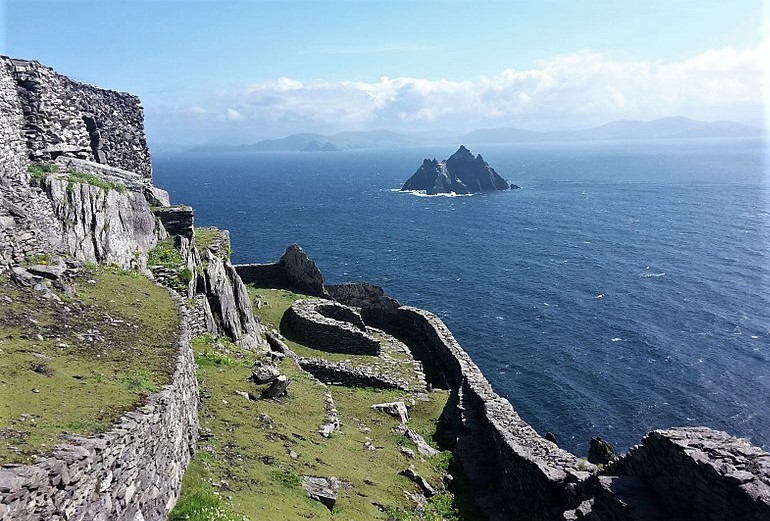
x=528 y=473
x=426 y=487
x=369 y=298
x=320 y=490
x=229 y=302
x=701 y=474
x=331 y=419
x=294 y=270
x=329 y=326
x=277 y=388
x=350 y=375
x=262 y=373
x=462 y=173
x=422 y=446
x=395 y=409
x=103 y=226
x=156 y=196
x=276 y=344
x=601 y=452
x=177 y=220
x=301 y=271
x=61 y=117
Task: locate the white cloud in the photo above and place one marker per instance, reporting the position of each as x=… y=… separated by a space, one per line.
x=579 y=89
x=233 y=115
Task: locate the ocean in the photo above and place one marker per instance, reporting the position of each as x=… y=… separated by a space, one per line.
x=625 y=287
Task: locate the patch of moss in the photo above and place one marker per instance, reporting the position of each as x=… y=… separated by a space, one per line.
x=76 y=365
x=77 y=177
x=41 y=171
x=36 y=258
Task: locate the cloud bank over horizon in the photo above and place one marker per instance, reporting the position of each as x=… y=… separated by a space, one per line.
x=567 y=91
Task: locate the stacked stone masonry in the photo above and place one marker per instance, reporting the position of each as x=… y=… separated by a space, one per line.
x=27 y=223
x=132 y=472
x=533 y=473
x=329 y=326
x=62 y=117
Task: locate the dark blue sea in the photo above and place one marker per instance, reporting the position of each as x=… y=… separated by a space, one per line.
x=625 y=287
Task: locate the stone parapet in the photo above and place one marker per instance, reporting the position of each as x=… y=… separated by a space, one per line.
x=531 y=472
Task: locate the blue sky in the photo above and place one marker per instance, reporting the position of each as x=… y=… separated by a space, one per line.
x=238 y=71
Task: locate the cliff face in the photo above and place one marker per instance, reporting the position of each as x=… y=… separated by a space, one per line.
x=76 y=182
x=462 y=173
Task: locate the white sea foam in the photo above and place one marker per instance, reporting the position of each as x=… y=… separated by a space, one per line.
x=421 y=193
x=616 y=339
x=647 y=275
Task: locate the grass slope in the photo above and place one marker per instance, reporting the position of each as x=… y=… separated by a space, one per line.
x=75 y=366
x=253 y=454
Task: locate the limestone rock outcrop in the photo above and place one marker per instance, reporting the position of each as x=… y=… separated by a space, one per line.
x=462 y=173
x=293 y=271
x=229 y=301
x=103 y=226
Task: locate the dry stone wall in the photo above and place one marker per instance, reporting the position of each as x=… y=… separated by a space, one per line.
x=132 y=472
x=532 y=473
x=62 y=117
x=329 y=326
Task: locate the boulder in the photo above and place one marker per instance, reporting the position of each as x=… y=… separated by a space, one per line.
x=320 y=490
x=262 y=373
x=301 y=272
x=601 y=452
x=278 y=388
x=395 y=409
x=177 y=220
x=421 y=481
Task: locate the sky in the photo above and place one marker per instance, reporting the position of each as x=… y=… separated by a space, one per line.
x=213 y=72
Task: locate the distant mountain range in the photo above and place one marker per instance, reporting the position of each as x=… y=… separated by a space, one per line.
x=665 y=128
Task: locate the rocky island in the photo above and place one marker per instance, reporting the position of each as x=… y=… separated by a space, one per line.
x=463 y=173
x=145 y=377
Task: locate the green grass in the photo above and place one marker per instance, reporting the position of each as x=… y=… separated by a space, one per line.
x=165 y=254
x=214 y=239
x=393 y=362
x=77 y=365
x=253 y=455
x=41 y=171
x=36 y=258
x=77 y=177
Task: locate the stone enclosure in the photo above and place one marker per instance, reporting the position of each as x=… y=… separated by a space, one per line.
x=329 y=326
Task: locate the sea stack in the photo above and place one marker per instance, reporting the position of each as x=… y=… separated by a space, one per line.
x=462 y=173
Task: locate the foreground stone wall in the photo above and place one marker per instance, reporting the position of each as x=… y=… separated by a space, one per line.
x=131 y=472
x=65 y=117
x=701 y=474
